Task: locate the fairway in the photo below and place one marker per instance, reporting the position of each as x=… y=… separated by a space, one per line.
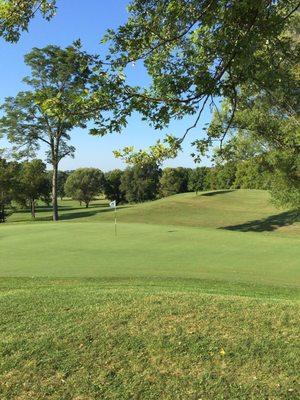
x=204 y=307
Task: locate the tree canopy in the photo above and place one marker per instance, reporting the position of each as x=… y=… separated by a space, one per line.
x=84 y=184
x=15 y=15
x=68 y=88
x=197 y=52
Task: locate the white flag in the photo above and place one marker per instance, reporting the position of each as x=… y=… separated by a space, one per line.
x=113 y=204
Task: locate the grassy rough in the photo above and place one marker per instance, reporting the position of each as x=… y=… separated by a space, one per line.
x=69 y=340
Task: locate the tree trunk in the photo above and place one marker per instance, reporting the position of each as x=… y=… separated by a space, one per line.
x=87 y=204
x=32 y=208
x=54 y=192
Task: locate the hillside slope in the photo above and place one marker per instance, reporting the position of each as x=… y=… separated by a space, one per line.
x=240 y=210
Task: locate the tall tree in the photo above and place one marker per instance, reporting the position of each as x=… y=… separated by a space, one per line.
x=68 y=89
x=15 y=15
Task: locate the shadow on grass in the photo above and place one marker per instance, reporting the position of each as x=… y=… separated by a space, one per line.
x=42 y=209
x=84 y=213
x=214 y=193
x=267 y=224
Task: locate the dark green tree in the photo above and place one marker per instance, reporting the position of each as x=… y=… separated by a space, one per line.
x=84 y=184
x=8 y=186
x=197 y=179
x=112 y=186
x=68 y=89
x=140 y=182
x=173 y=181
x=252 y=174
x=33 y=184
x=62 y=177
x=226 y=175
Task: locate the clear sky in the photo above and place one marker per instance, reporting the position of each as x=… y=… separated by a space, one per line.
x=88 y=20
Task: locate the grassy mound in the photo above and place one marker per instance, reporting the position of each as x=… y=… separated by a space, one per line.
x=240 y=210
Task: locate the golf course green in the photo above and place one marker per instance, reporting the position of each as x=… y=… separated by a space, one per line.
x=196 y=297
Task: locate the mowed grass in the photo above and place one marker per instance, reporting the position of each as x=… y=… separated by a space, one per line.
x=241 y=210
x=196 y=298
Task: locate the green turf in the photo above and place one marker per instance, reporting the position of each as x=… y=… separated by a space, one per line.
x=196 y=298
x=240 y=210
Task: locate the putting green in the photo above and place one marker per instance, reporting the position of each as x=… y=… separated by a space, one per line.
x=68 y=249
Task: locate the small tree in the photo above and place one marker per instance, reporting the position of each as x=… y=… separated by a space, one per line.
x=33 y=184
x=112 y=185
x=197 y=179
x=140 y=182
x=84 y=184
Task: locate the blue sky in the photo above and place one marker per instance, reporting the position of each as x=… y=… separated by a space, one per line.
x=88 y=20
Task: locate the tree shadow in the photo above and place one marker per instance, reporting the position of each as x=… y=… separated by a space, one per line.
x=84 y=213
x=215 y=192
x=45 y=208
x=267 y=224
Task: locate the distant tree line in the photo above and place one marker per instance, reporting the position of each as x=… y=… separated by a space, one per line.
x=24 y=184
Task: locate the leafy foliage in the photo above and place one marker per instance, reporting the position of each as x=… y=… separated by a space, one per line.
x=8 y=186
x=140 y=182
x=173 y=181
x=197 y=51
x=33 y=184
x=112 y=186
x=84 y=184
x=15 y=15
x=197 y=179
x=68 y=89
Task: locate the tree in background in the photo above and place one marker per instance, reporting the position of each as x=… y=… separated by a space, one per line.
x=68 y=89
x=226 y=175
x=173 y=181
x=198 y=179
x=62 y=177
x=112 y=185
x=84 y=184
x=16 y=15
x=140 y=182
x=33 y=184
x=251 y=174
x=8 y=186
